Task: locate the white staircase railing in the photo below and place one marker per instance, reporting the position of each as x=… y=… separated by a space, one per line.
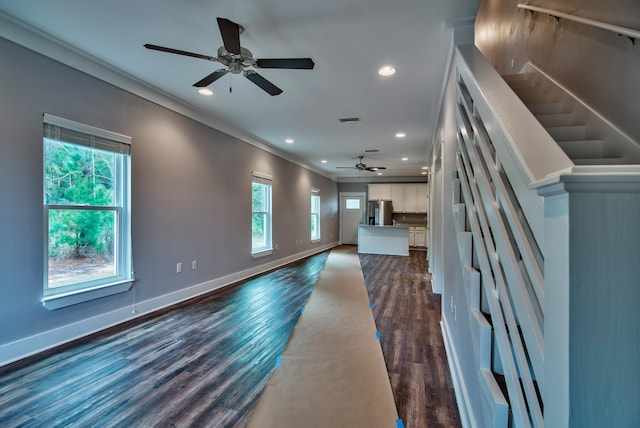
x=499 y=157
x=567 y=262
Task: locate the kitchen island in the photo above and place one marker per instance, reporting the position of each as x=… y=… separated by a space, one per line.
x=388 y=240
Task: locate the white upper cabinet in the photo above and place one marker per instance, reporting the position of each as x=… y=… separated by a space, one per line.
x=406 y=197
x=379 y=191
x=397 y=196
x=422 y=197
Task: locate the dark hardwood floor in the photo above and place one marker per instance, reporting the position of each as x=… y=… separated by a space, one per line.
x=206 y=363
x=408 y=317
x=202 y=364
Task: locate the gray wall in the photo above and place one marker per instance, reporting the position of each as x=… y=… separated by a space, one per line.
x=599 y=66
x=191 y=193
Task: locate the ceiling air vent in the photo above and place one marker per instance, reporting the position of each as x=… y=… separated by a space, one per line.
x=349 y=119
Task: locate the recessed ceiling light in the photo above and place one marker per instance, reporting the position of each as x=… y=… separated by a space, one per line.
x=425 y=167
x=379 y=173
x=289 y=141
x=424 y=173
x=400 y=135
x=323 y=161
x=405 y=159
x=205 y=91
x=387 y=70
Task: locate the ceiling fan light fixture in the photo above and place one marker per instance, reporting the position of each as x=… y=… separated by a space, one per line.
x=205 y=91
x=387 y=70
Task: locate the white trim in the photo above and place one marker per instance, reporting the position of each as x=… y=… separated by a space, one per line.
x=85 y=129
x=467 y=416
x=261 y=175
x=25 y=347
x=350 y=194
x=262 y=253
x=57 y=301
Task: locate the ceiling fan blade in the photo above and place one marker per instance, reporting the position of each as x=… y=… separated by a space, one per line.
x=230 y=32
x=211 y=78
x=291 y=63
x=263 y=83
x=346 y=167
x=179 y=52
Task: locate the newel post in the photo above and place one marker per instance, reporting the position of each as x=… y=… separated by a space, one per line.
x=592 y=297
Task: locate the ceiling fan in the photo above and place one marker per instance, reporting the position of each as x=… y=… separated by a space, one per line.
x=361 y=166
x=239 y=60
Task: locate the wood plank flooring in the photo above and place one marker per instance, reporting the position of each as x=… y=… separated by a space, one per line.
x=202 y=364
x=206 y=363
x=408 y=317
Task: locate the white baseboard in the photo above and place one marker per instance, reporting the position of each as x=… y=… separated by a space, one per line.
x=28 y=346
x=467 y=415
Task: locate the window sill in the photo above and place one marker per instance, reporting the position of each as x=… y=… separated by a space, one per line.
x=262 y=253
x=81 y=296
x=315 y=241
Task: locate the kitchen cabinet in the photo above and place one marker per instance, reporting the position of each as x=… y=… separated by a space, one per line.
x=410 y=203
x=397 y=198
x=420 y=237
x=406 y=197
x=417 y=236
x=422 y=198
x=379 y=191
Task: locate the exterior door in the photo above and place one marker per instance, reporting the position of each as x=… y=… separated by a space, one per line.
x=352 y=213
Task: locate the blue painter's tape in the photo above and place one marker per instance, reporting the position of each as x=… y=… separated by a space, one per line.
x=312 y=288
x=399 y=423
x=378 y=335
x=371 y=305
x=278 y=359
x=302 y=310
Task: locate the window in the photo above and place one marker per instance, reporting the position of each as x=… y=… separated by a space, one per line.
x=315 y=215
x=352 y=203
x=87 y=212
x=261 y=214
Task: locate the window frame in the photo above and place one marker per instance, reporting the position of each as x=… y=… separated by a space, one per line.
x=265 y=180
x=89 y=137
x=315 y=197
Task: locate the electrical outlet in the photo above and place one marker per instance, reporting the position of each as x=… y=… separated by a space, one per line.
x=179 y=267
x=194 y=264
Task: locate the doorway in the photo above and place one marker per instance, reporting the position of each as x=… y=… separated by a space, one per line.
x=352 y=213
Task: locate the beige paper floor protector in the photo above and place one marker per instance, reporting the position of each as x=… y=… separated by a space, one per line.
x=332 y=372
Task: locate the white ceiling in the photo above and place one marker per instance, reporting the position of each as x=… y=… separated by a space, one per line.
x=347 y=40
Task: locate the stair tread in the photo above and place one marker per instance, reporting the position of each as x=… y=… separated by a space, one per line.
x=600 y=161
x=546 y=108
x=556 y=119
x=568 y=133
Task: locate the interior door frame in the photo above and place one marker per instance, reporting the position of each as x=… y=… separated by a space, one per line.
x=351 y=194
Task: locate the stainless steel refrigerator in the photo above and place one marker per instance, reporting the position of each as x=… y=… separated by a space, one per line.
x=379 y=213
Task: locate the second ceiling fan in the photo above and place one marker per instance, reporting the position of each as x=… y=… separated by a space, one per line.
x=239 y=60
